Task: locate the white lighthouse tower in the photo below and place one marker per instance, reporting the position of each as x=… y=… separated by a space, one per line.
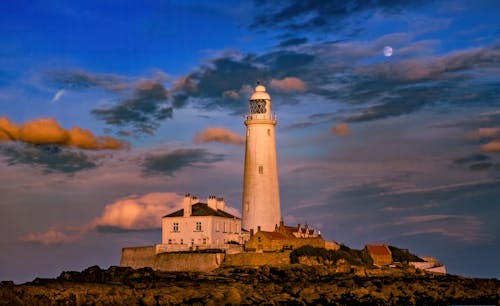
x=261 y=197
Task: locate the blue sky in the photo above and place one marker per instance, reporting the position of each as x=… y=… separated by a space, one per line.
x=110 y=111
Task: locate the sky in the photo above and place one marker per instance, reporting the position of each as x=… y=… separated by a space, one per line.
x=111 y=111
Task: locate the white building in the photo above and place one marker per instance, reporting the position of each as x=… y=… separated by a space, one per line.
x=261 y=197
x=201 y=226
x=430 y=264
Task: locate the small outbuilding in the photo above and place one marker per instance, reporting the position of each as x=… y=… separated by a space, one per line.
x=380 y=254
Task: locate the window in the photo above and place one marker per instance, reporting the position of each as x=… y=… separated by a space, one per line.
x=217 y=226
x=204 y=240
x=182 y=241
x=225 y=227
x=258 y=106
x=198 y=226
x=268 y=132
x=192 y=241
x=247 y=206
x=176 y=227
x=259 y=239
x=261 y=169
x=169 y=241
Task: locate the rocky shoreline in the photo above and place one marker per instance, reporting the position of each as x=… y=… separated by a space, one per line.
x=286 y=285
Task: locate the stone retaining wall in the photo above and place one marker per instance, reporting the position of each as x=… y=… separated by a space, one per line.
x=257 y=259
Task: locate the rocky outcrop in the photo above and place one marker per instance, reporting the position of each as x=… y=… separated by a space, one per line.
x=293 y=284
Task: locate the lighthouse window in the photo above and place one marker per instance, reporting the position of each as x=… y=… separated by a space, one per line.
x=261 y=169
x=258 y=106
x=268 y=132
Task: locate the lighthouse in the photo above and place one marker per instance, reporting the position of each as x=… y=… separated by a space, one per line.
x=261 y=198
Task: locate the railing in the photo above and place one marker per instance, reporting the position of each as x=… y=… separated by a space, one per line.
x=261 y=117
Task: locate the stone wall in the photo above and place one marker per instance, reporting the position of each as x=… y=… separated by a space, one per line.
x=257 y=259
x=260 y=242
x=203 y=262
x=140 y=257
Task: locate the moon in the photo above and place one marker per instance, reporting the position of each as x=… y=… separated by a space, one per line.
x=387 y=51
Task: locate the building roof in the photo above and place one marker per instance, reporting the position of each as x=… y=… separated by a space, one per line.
x=378 y=249
x=202 y=209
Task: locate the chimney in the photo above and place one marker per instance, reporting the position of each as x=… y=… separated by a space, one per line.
x=220 y=204
x=251 y=232
x=186 y=205
x=258 y=228
x=194 y=200
x=212 y=202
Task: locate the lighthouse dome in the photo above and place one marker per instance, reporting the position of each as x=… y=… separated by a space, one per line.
x=260 y=93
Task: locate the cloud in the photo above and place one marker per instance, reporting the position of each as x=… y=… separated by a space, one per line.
x=341 y=129
x=186 y=84
x=8 y=130
x=218 y=134
x=173 y=161
x=461 y=227
x=57 y=96
x=306 y=16
x=143 y=110
x=489 y=132
x=79 y=80
x=50 y=237
x=337 y=72
x=293 y=42
x=482 y=166
x=226 y=81
x=143 y=102
x=471 y=159
x=435 y=68
x=288 y=84
x=131 y=213
x=51 y=158
x=47 y=131
x=491 y=147
x=138 y=212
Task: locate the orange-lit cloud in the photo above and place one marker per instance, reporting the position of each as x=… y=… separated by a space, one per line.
x=483 y=133
x=244 y=92
x=186 y=84
x=218 y=134
x=341 y=129
x=489 y=132
x=138 y=213
x=8 y=130
x=130 y=213
x=288 y=84
x=491 y=147
x=48 y=131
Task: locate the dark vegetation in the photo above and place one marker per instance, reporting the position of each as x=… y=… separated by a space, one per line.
x=403 y=255
x=286 y=285
x=353 y=257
